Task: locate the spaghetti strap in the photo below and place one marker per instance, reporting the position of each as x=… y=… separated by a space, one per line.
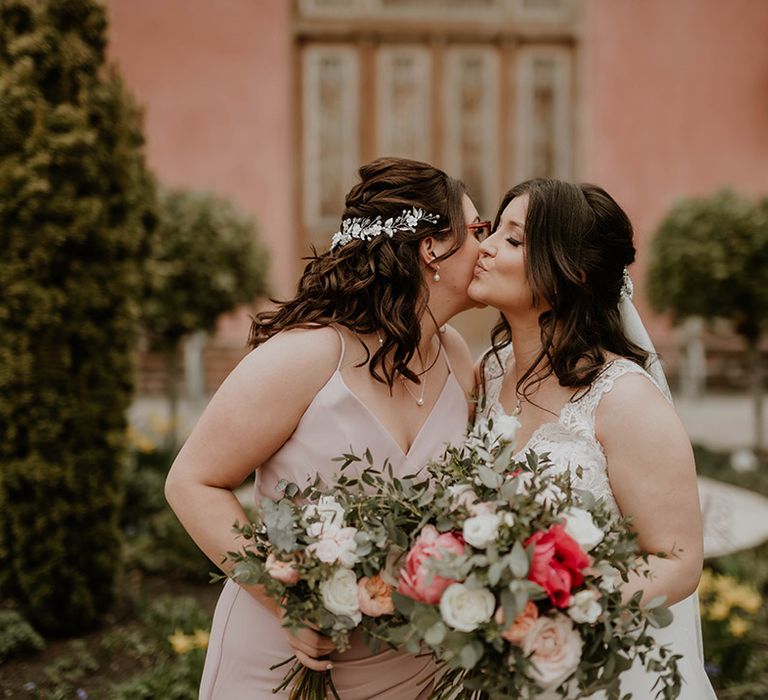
x=445 y=355
x=343 y=347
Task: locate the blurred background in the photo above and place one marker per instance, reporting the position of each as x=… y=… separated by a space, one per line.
x=237 y=127
x=274 y=104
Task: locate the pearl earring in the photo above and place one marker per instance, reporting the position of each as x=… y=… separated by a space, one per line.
x=436 y=276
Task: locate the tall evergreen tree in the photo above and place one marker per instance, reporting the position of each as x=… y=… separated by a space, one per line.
x=76 y=209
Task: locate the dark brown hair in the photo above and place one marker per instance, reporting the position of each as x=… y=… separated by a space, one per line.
x=578 y=241
x=377 y=285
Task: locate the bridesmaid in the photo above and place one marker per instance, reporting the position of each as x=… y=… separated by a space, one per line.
x=354 y=359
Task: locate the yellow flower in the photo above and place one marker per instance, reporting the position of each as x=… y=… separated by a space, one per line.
x=201 y=638
x=745 y=597
x=140 y=441
x=738 y=627
x=719 y=610
x=181 y=643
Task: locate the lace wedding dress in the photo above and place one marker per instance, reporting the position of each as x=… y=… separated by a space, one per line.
x=571 y=442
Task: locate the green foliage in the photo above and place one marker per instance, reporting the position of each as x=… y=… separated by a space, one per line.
x=176 y=678
x=710 y=259
x=75 y=209
x=735 y=626
x=17 y=636
x=68 y=672
x=155 y=541
x=166 y=614
x=206 y=261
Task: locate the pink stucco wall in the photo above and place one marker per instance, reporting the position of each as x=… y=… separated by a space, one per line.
x=676 y=102
x=216 y=81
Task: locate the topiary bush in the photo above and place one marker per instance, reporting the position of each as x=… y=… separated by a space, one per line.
x=206 y=261
x=76 y=212
x=709 y=258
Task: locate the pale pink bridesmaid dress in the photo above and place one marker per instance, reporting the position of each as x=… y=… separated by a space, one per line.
x=246 y=639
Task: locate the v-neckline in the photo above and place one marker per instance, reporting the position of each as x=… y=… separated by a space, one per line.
x=521 y=452
x=403 y=453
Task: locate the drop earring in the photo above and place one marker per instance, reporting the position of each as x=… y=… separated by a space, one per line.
x=436 y=276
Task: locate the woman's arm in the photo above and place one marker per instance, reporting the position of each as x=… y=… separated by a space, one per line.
x=252 y=414
x=653 y=477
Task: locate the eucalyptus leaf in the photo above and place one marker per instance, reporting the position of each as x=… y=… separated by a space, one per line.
x=494 y=572
x=403 y=603
x=435 y=634
x=659 y=617
x=656 y=602
x=518 y=560
x=489 y=477
x=504 y=458
x=509 y=489
x=280 y=527
x=470 y=654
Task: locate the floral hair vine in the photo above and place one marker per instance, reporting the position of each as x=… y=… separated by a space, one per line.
x=627 y=288
x=366 y=229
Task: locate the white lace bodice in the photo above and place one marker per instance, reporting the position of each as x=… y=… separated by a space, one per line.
x=570 y=440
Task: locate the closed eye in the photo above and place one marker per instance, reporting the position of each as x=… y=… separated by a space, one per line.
x=514 y=242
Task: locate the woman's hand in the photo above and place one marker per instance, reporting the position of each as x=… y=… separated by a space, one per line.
x=309 y=645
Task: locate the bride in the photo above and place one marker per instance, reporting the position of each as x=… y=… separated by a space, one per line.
x=571 y=359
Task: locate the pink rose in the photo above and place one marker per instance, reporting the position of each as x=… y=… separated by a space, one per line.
x=282 y=571
x=521 y=625
x=374 y=596
x=554 y=647
x=417 y=581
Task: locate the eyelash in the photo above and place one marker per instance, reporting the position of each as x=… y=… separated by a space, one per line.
x=514 y=243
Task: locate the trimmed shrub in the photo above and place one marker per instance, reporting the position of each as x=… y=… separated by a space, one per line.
x=76 y=209
x=17 y=636
x=206 y=261
x=709 y=259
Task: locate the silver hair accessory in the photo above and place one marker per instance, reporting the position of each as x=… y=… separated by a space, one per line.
x=627 y=288
x=366 y=229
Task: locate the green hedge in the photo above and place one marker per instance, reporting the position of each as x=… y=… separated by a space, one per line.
x=76 y=206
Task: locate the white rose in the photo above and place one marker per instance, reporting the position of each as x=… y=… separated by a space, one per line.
x=462 y=495
x=580 y=526
x=337 y=545
x=554 y=647
x=465 y=609
x=347 y=546
x=339 y=594
x=584 y=607
x=327 y=512
x=505 y=427
x=481 y=529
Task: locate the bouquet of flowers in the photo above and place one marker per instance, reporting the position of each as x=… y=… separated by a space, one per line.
x=511 y=581
x=331 y=558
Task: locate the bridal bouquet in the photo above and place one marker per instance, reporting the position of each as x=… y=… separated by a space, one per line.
x=330 y=557
x=511 y=581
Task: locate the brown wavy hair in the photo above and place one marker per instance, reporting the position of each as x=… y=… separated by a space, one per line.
x=578 y=241
x=376 y=286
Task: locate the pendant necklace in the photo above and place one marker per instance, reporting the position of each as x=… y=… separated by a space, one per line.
x=420 y=398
